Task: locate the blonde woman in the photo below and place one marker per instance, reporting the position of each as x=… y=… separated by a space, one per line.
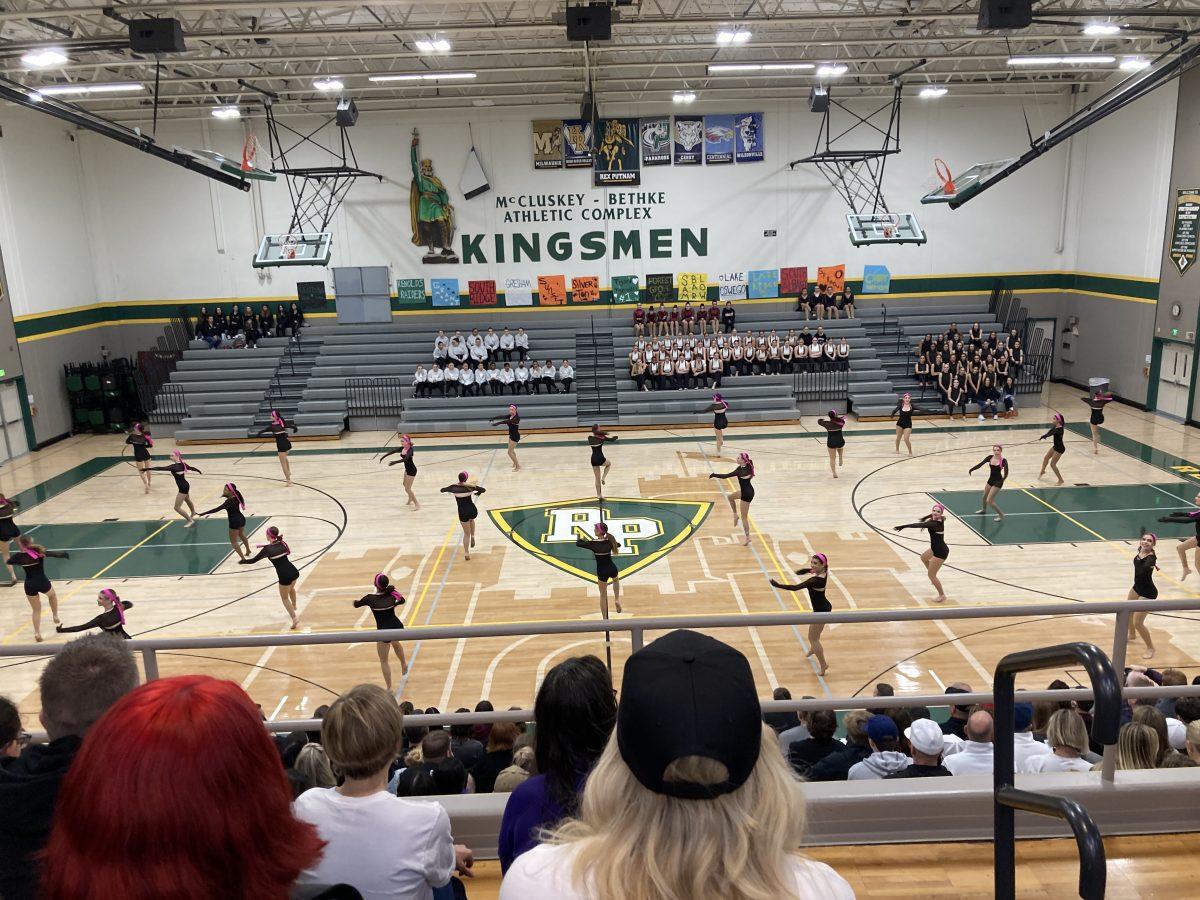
x=313 y=763
x=659 y=821
x=1067 y=737
x=1137 y=748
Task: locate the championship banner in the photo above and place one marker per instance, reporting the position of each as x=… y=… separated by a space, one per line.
x=445 y=291
x=764 y=283
x=693 y=286
x=547 y=144
x=482 y=293
x=1183 y=231
x=793 y=281
x=585 y=289
x=732 y=285
x=832 y=278
x=687 y=138
x=625 y=289
x=718 y=140
x=659 y=288
x=552 y=290
x=876 y=280
x=656 y=141
x=518 y=292
x=748 y=137
x=616 y=157
x=410 y=292
x=577 y=143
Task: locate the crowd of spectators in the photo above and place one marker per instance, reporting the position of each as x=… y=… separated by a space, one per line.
x=821 y=302
x=682 y=319
x=243 y=327
x=973 y=369
x=489 y=364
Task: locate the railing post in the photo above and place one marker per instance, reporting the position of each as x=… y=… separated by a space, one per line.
x=636 y=638
x=150 y=664
x=1108 y=765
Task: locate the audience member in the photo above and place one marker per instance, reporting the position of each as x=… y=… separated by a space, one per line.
x=1068 y=742
x=462 y=745
x=780 y=721
x=524 y=765
x=383 y=845
x=1151 y=717
x=798 y=730
x=688 y=728
x=313 y=763
x=957 y=723
x=498 y=757
x=976 y=754
x=807 y=752
x=882 y=689
x=1137 y=747
x=1193 y=740
x=434 y=748
x=927 y=742
x=1024 y=744
x=77 y=687
x=886 y=757
x=177 y=791
x=11 y=740
x=1170 y=678
x=836 y=766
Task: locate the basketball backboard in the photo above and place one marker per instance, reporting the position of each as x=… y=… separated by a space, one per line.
x=294 y=250
x=884 y=228
x=226 y=164
x=968 y=183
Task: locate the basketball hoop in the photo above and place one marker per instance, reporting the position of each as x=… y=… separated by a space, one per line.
x=891 y=222
x=249 y=152
x=943 y=173
x=291 y=244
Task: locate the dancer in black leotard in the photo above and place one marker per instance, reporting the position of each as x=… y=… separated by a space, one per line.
x=835 y=441
x=1145 y=564
x=600 y=465
x=410 y=468
x=903 y=413
x=512 y=420
x=383 y=603
x=111 y=621
x=938 y=552
x=32 y=558
x=9 y=531
x=997 y=472
x=234 y=505
x=719 y=407
x=464 y=494
x=818 y=576
x=1054 y=454
x=1187 y=517
x=741 y=505
x=141 y=442
x=278 y=429
x=179 y=469
x=276 y=551
x=604 y=547
x=1096 y=402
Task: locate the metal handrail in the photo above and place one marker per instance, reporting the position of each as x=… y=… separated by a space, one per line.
x=1106 y=723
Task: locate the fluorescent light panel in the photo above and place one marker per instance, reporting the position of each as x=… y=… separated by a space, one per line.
x=1134 y=64
x=1079 y=60
x=427 y=76
x=328 y=84
x=721 y=68
x=933 y=90
x=1102 y=29
x=724 y=36
x=226 y=112
x=57 y=90
x=684 y=97
x=830 y=70
x=41 y=59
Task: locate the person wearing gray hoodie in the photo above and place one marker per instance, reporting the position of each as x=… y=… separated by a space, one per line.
x=886 y=758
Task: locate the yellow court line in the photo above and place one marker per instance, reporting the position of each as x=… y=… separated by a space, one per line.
x=428 y=581
x=1065 y=516
x=775 y=562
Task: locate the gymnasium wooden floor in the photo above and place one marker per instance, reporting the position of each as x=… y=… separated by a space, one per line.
x=345 y=520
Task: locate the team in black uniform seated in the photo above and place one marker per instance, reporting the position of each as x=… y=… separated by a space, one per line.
x=245 y=327
x=824 y=303
x=976 y=369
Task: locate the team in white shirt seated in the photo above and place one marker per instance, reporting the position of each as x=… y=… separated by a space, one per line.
x=491 y=379
x=481 y=347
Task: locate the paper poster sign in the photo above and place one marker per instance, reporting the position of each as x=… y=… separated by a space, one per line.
x=616 y=159
x=732 y=285
x=445 y=291
x=688 y=140
x=659 y=288
x=1184 y=230
x=656 y=141
x=552 y=290
x=764 y=283
x=876 y=280
x=547 y=144
x=585 y=289
x=625 y=289
x=693 y=286
x=518 y=292
x=577 y=143
x=410 y=291
x=793 y=281
x=832 y=278
x=482 y=293
x=748 y=137
x=718 y=140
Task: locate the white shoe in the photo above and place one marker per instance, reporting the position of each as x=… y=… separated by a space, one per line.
x=981 y=417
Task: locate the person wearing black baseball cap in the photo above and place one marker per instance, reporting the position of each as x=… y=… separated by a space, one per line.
x=691 y=790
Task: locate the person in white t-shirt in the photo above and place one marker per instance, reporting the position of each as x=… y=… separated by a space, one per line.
x=508 y=379
x=566 y=376
x=691 y=789
x=491 y=341
x=976 y=754
x=479 y=353
x=522 y=343
x=521 y=373
x=1025 y=746
x=507 y=343
x=1067 y=738
x=420 y=382
x=453 y=379
x=467 y=380
x=386 y=847
x=458 y=350
x=437 y=381
x=440 y=343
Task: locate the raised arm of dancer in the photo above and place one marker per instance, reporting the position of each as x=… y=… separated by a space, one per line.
x=982 y=462
x=94 y=623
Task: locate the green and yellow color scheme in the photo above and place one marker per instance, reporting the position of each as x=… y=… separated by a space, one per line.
x=645 y=529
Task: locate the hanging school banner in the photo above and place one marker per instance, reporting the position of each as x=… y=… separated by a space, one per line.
x=445 y=291
x=718 y=140
x=547 y=144
x=656 y=141
x=616 y=158
x=552 y=290
x=577 y=143
x=625 y=289
x=688 y=140
x=764 y=283
x=732 y=285
x=518 y=292
x=659 y=288
x=833 y=278
x=793 y=281
x=748 y=137
x=482 y=293
x=585 y=289
x=876 y=280
x=410 y=292
x=693 y=286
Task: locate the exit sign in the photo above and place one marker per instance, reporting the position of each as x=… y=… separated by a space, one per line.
x=1174 y=333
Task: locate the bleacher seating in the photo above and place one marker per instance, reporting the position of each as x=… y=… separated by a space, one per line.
x=224 y=388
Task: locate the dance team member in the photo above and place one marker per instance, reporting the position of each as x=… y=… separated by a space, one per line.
x=234 y=506
x=741 y=506
x=903 y=413
x=32 y=558
x=600 y=465
x=9 y=531
x=1145 y=564
x=604 y=547
x=818 y=577
x=513 y=421
x=278 y=429
x=141 y=442
x=1054 y=454
x=997 y=473
x=276 y=551
x=1187 y=517
x=719 y=407
x=410 y=468
x=835 y=441
x=938 y=552
x=179 y=469
x=1096 y=402
x=464 y=494
x=111 y=621
x=383 y=603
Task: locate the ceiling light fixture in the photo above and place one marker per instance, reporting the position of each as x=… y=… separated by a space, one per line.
x=428 y=76
x=684 y=97
x=328 y=84
x=58 y=90
x=42 y=59
x=1134 y=64
x=832 y=70
x=1102 y=29
x=933 y=90
x=1081 y=60
x=226 y=112
x=728 y=68
x=732 y=37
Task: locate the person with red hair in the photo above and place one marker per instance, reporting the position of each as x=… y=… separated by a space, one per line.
x=177 y=792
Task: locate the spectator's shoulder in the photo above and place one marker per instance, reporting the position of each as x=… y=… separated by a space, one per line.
x=816 y=879
x=540 y=872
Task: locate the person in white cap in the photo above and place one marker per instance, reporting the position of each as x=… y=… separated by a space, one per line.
x=927 y=742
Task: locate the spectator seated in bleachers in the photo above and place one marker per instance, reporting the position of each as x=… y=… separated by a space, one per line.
x=684 y=319
x=448 y=378
x=245 y=328
x=985 y=368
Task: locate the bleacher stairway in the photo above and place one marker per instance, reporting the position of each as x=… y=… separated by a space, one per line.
x=595 y=377
x=224 y=389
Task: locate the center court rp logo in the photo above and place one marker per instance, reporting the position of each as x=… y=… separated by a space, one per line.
x=646 y=530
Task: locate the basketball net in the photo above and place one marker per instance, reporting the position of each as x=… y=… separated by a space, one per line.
x=290 y=244
x=891 y=222
x=943 y=173
x=249 y=152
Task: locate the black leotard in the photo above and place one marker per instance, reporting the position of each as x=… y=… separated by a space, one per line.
x=277 y=553
x=1185 y=517
x=996 y=474
x=596 y=442
x=36 y=581
x=606 y=569
x=743 y=473
x=282 y=444
x=1057 y=432
x=514 y=433
x=9 y=530
x=835 y=438
x=1143 y=576
x=720 y=420
x=109 y=620
x=406 y=456
x=815 y=585
x=179 y=473
x=464 y=495
x=383 y=607
x=141 y=446
x=233 y=509
x=1097 y=406
x=905 y=417
x=937 y=534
